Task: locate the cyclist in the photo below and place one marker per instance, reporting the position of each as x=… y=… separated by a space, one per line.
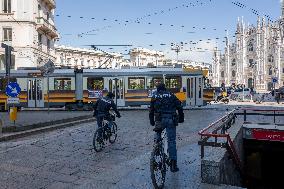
x=163 y=115
x=102 y=107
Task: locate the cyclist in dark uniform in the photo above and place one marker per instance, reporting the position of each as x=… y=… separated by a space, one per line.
x=102 y=107
x=164 y=105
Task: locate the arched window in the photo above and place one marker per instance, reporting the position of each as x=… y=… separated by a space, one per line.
x=222 y=74
x=39 y=11
x=270 y=71
x=251 y=63
x=270 y=58
x=233 y=73
x=234 y=62
x=250 y=47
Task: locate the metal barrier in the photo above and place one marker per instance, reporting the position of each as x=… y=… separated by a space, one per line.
x=219 y=131
x=257 y=112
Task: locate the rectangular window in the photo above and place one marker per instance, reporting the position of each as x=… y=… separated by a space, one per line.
x=136 y=83
x=62 y=84
x=95 y=83
x=68 y=61
x=7 y=6
x=39 y=38
x=48 y=44
x=173 y=82
x=7 y=34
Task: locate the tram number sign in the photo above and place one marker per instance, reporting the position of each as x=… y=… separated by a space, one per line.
x=95 y=94
x=268 y=135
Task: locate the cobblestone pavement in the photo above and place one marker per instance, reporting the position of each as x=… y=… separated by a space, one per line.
x=65 y=158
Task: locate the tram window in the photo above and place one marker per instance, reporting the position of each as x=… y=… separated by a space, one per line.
x=62 y=84
x=95 y=83
x=173 y=82
x=136 y=83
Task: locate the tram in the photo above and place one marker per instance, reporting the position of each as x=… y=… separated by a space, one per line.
x=78 y=88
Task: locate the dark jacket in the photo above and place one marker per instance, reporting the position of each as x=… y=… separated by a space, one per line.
x=103 y=105
x=165 y=102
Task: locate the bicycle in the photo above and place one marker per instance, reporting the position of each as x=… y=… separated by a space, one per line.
x=107 y=133
x=159 y=161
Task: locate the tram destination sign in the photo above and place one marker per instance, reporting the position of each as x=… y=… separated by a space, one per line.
x=35 y=74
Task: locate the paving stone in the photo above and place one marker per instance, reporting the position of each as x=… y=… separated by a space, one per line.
x=66 y=158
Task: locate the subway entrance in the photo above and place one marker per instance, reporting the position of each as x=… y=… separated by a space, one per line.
x=264 y=164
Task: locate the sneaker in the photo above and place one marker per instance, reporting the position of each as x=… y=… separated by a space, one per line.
x=174 y=167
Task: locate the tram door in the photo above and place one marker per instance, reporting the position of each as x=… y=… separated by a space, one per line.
x=35 y=93
x=194 y=92
x=116 y=85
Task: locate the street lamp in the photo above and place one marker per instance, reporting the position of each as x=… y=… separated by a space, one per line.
x=177 y=48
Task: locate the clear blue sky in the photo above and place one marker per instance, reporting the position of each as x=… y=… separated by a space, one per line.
x=98 y=22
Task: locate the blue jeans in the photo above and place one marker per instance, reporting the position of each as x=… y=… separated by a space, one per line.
x=168 y=124
x=100 y=122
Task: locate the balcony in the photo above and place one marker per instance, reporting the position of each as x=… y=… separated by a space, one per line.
x=46 y=27
x=50 y=3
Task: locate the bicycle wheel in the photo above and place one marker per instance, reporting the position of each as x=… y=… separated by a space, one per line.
x=113 y=134
x=158 y=167
x=98 y=142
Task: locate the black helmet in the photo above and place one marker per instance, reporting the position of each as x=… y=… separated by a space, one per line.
x=161 y=87
x=110 y=95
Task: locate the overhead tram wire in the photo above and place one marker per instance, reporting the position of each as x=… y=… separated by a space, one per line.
x=240 y=5
x=138 y=20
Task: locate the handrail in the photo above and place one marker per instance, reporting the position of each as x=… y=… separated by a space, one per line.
x=262 y=110
x=202 y=132
x=273 y=113
x=223 y=123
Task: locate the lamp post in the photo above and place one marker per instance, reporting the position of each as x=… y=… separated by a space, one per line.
x=177 y=48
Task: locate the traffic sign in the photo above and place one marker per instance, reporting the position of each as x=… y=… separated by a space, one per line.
x=13 y=89
x=48 y=68
x=12 y=100
x=274 y=80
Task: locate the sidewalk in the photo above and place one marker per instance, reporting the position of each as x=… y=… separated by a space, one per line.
x=33 y=119
x=31 y=122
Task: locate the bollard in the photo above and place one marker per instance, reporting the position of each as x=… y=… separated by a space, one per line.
x=13 y=114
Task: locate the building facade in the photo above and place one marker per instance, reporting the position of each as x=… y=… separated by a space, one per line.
x=255 y=59
x=71 y=57
x=141 y=57
x=29 y=28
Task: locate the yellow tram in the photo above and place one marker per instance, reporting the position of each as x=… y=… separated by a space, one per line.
x=79 y=88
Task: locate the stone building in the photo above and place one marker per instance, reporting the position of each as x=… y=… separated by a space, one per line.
x=28 y=26
x=145 y=57
x=254 y=59
x=70 y=57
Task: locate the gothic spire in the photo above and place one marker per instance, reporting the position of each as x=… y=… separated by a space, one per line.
x=282 y=8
